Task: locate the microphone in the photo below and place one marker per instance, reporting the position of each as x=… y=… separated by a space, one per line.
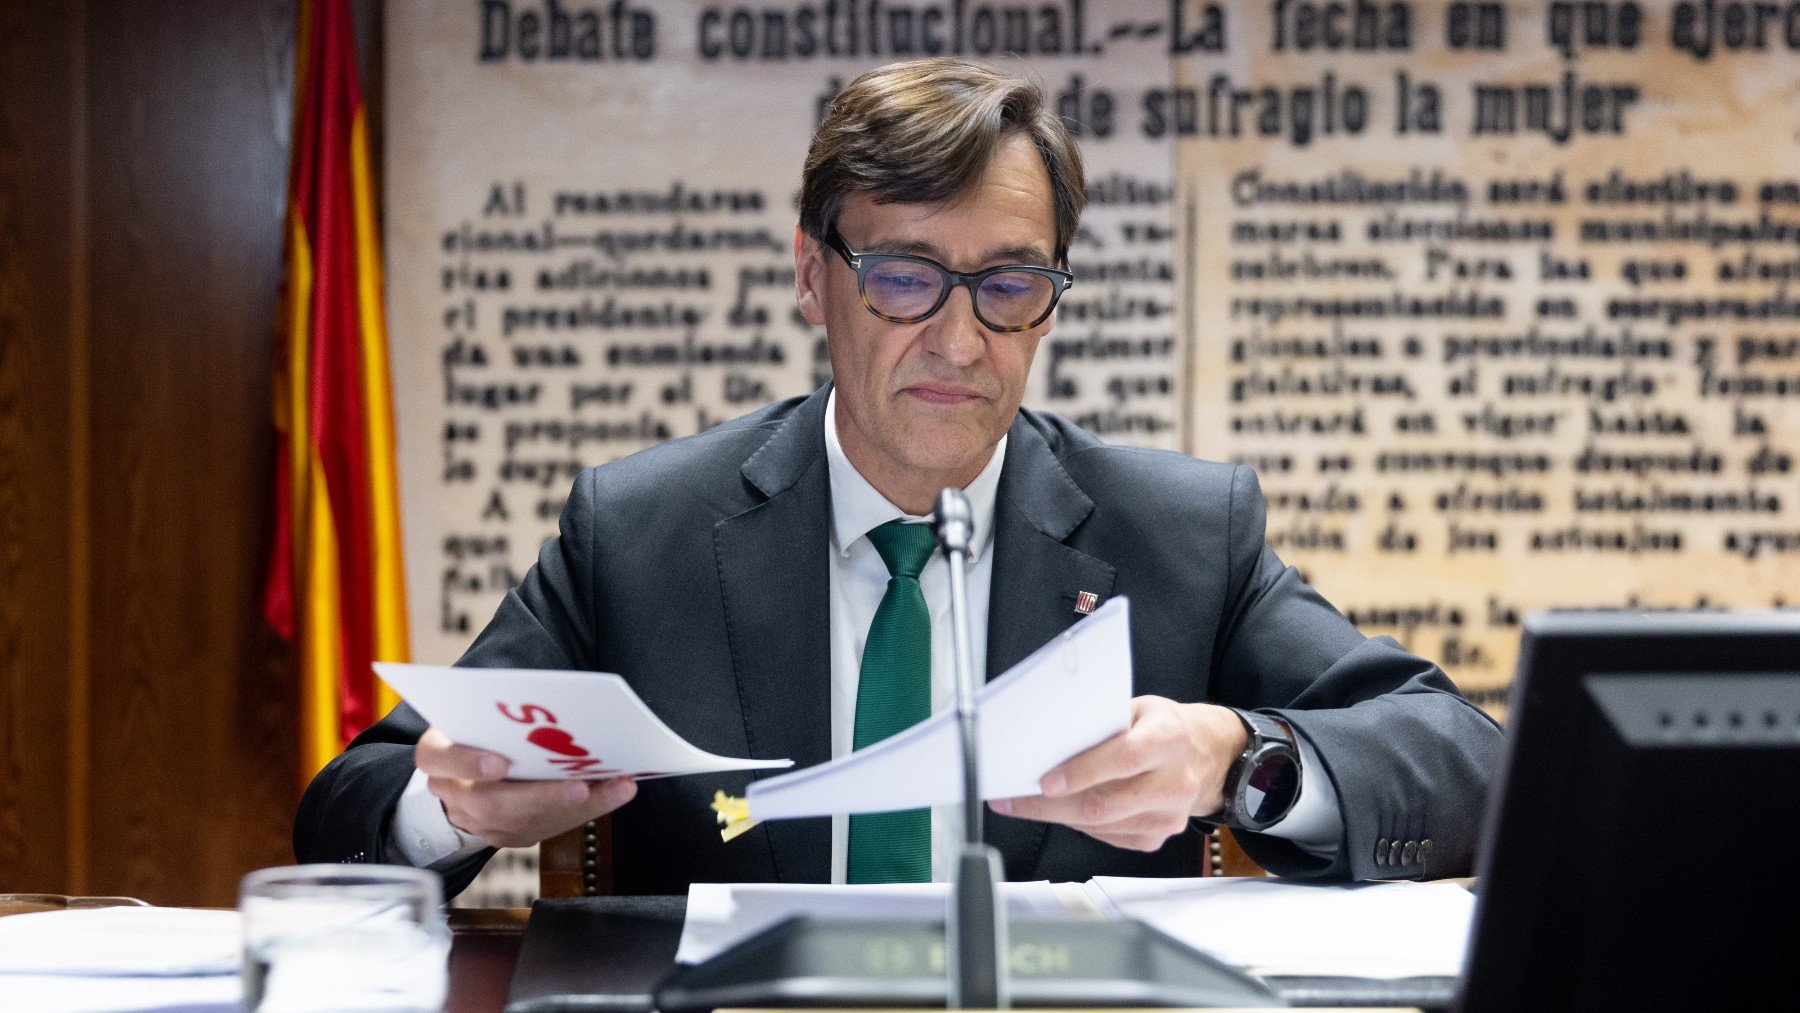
x=976 y=922
x=954 y=521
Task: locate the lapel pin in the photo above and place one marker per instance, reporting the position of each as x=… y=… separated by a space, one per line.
x=1086 y=601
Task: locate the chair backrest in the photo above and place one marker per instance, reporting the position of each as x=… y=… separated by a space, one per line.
x=578 y=862
x=1226 y=857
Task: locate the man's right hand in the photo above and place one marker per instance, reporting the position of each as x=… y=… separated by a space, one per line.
x=479 y=800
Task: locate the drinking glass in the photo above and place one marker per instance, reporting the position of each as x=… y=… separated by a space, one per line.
x=343 y=937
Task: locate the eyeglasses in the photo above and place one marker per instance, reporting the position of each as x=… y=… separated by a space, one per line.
x=905 y=290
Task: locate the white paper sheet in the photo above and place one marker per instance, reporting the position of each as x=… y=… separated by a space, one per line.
x=554 y=725
x=1270 y=927
x=1070 y=694
x=120 y=941
x=47 y=993
x=720 y=915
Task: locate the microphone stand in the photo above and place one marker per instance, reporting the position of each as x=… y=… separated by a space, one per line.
x=975 y=928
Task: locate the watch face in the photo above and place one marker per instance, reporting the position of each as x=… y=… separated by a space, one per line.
x=1270 y=790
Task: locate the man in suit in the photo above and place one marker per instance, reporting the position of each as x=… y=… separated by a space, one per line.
x=767 y=589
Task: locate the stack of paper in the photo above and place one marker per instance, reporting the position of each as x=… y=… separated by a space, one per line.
x=123 y=958
x=1277 y=927
x=721 y=915
x=1264 y=926
x=1071 y=694
x=554 y=725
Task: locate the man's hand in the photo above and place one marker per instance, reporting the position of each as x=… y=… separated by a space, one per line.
x=509 y=814
x=1138 y=788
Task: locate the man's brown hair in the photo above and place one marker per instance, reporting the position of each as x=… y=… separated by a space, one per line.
x=923 y=131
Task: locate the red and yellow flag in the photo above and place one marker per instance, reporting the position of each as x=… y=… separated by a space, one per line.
x=335 y=587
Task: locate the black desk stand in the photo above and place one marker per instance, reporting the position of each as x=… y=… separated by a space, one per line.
x=808 y=961
x=607 y=954
x=967 y=961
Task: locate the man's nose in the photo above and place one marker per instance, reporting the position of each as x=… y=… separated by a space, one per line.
x=956 y=335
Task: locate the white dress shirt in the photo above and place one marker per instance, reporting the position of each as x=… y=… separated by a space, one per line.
x=424 y=836
x=859 y=579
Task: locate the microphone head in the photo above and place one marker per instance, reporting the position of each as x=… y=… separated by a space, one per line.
x=954 y=521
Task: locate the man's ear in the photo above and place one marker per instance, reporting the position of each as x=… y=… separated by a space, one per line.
x=809 y=277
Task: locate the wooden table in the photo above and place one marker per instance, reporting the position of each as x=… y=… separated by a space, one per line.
x=484 y=945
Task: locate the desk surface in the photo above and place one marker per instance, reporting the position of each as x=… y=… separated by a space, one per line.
x=586 y=956
x=486 y=942
x=484 y=947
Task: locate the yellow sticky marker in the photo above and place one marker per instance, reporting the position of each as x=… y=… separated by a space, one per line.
x=733 y=814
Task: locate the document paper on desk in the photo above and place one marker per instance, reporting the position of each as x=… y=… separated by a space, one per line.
x=554 y=725
x=121 y=958
x=1070 y=694
x=721 y=915
x=1275 y=927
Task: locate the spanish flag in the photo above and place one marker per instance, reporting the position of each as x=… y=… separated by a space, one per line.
x=336 y=589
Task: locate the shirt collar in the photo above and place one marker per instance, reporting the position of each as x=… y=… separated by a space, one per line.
x=858 y=507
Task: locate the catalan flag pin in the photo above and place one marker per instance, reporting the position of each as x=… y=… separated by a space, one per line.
x=1086 y=601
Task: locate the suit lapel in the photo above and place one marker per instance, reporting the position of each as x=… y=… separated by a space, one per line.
x=775 y=578
x=1036 y=578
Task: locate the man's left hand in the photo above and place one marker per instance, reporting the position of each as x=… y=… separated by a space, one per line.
x=1139 y=788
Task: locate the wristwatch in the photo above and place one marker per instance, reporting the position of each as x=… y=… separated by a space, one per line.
x=1264 y=781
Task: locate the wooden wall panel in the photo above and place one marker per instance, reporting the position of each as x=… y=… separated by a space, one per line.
x=148 y=741
x=193 y=753
x=35 y=257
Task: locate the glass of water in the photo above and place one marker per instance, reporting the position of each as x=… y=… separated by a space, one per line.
x=343 y=937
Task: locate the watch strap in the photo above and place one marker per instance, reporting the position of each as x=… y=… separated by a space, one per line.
x=1263 y=730
x=1267 y=727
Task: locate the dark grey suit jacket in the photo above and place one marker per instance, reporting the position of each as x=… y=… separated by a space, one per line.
x=698 y=570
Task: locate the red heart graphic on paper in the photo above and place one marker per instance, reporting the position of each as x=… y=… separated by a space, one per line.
x=555 y=740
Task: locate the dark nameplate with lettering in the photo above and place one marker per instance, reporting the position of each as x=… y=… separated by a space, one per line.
x=612 y=953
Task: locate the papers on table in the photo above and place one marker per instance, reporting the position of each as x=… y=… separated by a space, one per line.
x=1072 y=693
x=45 y=993
x=554 y=725
x=122 y=958
x=1276 y=927
x=1265 y=926
x=721 y=915
x=121 y=941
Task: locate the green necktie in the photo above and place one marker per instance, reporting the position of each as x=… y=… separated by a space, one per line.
x=894 y=695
